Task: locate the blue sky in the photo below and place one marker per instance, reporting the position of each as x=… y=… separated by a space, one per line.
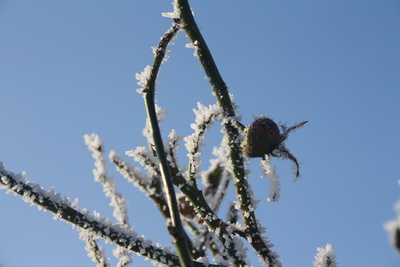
x=67 y=68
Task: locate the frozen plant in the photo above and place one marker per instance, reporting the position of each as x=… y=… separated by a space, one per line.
x=200 y=236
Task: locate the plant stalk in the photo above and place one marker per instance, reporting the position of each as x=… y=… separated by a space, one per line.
x=176 y=228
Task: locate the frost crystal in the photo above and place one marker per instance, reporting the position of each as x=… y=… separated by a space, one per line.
x=194 y=45
x=325 y=257
x=174 y=14
x=143 y=77
x=100 y=175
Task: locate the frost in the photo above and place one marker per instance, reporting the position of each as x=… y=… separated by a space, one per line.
x=146 y=158
x=130 y=172
x=195 y=46
x=118 y=202
x=94 y=251
x=270 y=173
x=205 y=116
x=173 y=146
x=174 y=14
x=325 y=257
x=143 y=78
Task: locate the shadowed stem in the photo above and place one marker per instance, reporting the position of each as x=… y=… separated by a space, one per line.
x=176 y=228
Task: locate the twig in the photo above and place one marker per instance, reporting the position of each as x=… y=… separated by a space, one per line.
x=176 y=228
x=92 y=224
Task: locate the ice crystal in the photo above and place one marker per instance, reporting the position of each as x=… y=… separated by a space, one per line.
x=325 y=257
x=194 y=45
x=143 y=78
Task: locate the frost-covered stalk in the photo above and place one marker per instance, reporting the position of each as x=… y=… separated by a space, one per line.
x=151 y=185
x=95 y=252
x=204 y=119
x=147 y=80
x=270 y=173
x=176 y=229
x=233 y=137
x=64 y=210
x=118 y=202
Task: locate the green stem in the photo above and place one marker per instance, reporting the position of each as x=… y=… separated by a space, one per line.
x=221 y=92
x=222 y=95
x=176 y=229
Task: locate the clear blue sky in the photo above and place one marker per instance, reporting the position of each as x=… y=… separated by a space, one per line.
x=67 y=68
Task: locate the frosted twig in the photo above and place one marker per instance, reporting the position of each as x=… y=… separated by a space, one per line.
x=204 y=119
x=175 y=228
x=173 y=146
x=151 y=185
x=216 y=225
x=95 y=252
x=98 y=227
x=270 y=173
x=286 y=130
x=146 y=158
x=147 y=132
x=93 y=225
x=118 y=202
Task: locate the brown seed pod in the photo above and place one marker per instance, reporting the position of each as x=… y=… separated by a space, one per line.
x=261 y=138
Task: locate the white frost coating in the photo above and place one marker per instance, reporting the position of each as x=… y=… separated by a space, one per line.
x=173 y=144
x=93 y=224
x=241 y=250
x=95 y=144
x=270 y=173
x=325 y=257
x=393 y=228
x=130 y=172
x=118 y=202
x=194 y=45
x=146 y=158
x=174 y=14
x=143 y=77
x=205 y=116
x=123 y=255
x=95 y=252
